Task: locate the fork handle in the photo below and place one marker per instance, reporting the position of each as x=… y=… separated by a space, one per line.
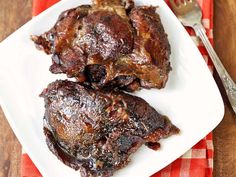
x=227 y=81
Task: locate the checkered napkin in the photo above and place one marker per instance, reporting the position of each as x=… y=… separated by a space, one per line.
x=198 y=161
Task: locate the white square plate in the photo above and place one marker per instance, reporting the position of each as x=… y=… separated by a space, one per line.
x=191 y=98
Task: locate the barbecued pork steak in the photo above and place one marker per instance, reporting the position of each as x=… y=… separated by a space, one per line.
x=109 y=41
x=96 y=131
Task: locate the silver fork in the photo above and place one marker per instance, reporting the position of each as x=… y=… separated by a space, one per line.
x=190 y=14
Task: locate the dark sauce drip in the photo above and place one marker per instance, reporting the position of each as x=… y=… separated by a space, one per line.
x=154 y=146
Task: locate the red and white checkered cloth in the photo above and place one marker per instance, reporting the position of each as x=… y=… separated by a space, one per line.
x=198 y=161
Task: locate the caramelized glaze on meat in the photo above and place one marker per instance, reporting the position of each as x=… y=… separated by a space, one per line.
x=101 y=39
x=124 y=40
x=96 y=131
x=151 y=48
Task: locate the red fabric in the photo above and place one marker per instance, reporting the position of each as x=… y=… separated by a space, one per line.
x=198 y=161
x=28 y=169
x=41 y=5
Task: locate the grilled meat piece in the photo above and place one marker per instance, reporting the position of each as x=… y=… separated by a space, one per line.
x=96 y=131
x=117 y=38
x=151 y=49
x=59 y=42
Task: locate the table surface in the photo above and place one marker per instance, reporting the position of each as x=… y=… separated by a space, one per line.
x=14 y=13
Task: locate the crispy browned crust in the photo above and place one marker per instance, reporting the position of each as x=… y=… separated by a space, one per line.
x=151 y=47
x=126 y=41
x=97 y=131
